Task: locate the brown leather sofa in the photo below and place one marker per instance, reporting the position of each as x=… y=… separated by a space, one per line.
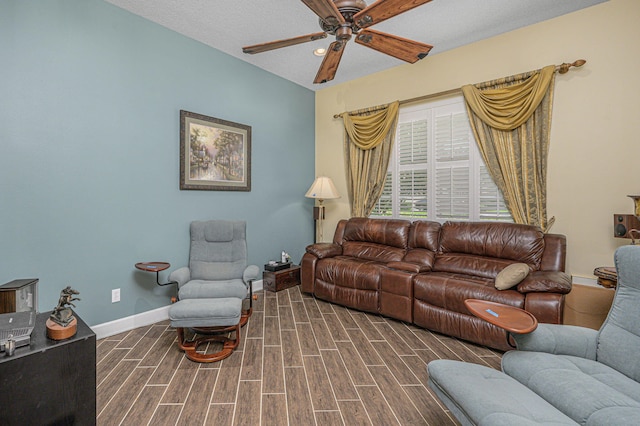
x=421 y=272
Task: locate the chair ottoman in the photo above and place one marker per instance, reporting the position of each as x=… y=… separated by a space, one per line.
x=213 y=319
x=479 y=395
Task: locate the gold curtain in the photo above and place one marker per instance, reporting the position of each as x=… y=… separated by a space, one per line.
x=511 y=121
x=368 y=141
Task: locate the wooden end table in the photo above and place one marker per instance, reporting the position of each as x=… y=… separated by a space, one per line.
x=509 y=318
x=282 y=279
x=607 y=276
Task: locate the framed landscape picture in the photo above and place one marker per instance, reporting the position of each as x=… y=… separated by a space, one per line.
x=215 y=154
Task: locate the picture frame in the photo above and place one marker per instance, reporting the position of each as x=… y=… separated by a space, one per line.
x=215 y=154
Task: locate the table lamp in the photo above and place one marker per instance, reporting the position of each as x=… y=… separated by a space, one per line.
x=321 y=189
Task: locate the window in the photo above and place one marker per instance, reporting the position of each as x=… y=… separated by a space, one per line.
x=436 y=171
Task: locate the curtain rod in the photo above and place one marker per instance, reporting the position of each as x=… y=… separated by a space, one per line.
x=562 y=69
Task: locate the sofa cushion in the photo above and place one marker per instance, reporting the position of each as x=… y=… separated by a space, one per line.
x=449 y=291
x=511 y=275
x=413 y=268
x=387 y=232
x=424 y=234
x=461 y=325
x=349 y=281
x=372 y=251
x=546 y=282
x=423 y=257
x=489 y=247
x=583 y=389
x=470 y=264
x=349 y=272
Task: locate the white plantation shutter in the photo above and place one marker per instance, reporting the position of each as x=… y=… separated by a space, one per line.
x=436 y=171
x=452 y=137
x=412 y=142
x=411 y=178
x=384 y=206
x=413 y=193
x=452 y=193
x=491 y=203
x=451 y=141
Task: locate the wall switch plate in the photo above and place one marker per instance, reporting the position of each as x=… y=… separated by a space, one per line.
x=115 y=295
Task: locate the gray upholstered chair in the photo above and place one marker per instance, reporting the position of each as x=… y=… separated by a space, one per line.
x=560 y=374
x=213 y=289
x=590 y=374
x=217 y=264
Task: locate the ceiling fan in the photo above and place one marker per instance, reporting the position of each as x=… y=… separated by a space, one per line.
x=344 y=18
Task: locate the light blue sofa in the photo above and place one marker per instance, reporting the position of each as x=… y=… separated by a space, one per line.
x=559 y=374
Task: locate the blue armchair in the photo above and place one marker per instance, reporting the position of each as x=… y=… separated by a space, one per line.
x=217 y=264
x=560 y=374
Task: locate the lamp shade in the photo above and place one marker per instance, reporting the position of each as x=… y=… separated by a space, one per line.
x=322 y=189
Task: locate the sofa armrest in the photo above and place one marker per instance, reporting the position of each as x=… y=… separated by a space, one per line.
x=181 y=276
x=559 y=340
x=322 y=250
x=546 y=281
x=408 y=267
x=308 y=272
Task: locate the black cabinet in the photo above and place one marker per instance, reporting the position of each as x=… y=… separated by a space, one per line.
x=50 y=382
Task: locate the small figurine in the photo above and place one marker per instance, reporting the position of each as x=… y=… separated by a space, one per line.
x=62 y=314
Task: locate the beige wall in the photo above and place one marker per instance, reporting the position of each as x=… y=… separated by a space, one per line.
x=594 y=160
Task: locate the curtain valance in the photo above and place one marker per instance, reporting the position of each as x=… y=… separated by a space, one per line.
x=367 y=128
x=368 y=144
x=509 y=107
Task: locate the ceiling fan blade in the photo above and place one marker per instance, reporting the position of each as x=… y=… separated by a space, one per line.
x=326 y=10
x=383 y=10
x=398 y=47
x=263 y=47
x=330 y=62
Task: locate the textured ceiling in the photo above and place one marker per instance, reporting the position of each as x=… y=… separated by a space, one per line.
x=227 y=25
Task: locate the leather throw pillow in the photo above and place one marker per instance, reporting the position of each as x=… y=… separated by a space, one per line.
x=511 y=275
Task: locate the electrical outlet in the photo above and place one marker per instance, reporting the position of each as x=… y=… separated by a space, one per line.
x=115 y=295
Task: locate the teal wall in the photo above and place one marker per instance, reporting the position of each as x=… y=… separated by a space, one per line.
x=89 y=146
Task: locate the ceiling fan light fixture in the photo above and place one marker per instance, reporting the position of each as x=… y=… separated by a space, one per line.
x=345 y=19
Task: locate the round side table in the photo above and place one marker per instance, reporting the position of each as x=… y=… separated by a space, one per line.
x=155 y=267
x=509 y=318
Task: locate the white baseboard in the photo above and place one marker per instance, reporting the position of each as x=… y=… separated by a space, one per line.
x=579 y=279
x=121 y=325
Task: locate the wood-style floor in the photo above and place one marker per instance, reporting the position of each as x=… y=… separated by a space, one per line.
x=301 y=361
